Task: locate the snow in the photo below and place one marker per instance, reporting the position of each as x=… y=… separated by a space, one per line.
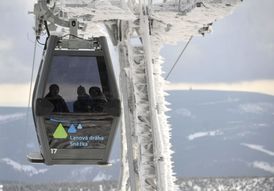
x=113 y=161
x=258 y=148
x=264 y=166
x=251 y=108
x=82 y=174
x=166 y=17
x=166 y=27
x=256 y=108
x=11 y=117
x=197 y=135
x=197 y=188
x=185 y=113
x=27 y=169
x=227 y=100
x=101 y=177
x=100 y=10
x=226 y=184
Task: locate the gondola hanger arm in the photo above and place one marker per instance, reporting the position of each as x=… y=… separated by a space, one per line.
x=43 y=13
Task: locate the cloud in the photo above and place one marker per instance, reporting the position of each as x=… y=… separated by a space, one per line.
x=14 y=94
x=24 y=4
x=16 y=50
x=6 y=44
x=27 y=169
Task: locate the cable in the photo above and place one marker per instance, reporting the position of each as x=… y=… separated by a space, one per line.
x=32 y=42
x=178 y=58
x=47 y=28
x=30 y=87
x=39 y=42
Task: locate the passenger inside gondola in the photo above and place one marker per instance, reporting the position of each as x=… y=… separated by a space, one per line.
x=83 y=102
x=98 y=99
x=57 y=101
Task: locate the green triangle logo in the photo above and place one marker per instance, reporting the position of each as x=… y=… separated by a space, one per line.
x=60 y=132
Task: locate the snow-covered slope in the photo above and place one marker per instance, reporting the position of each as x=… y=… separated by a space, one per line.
x=222 y=134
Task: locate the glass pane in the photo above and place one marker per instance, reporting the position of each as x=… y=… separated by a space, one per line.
x=74 y=84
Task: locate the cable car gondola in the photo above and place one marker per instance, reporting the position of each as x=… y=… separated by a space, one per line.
x=76 y=106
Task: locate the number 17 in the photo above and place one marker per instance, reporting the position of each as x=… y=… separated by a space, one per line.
x=53 y=151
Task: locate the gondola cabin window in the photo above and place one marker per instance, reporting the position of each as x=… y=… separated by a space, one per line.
x=75 y=84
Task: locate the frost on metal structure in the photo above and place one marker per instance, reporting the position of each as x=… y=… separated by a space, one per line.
x=177 y=20
x=173 y=20
x=170 y=22
x=141 y=27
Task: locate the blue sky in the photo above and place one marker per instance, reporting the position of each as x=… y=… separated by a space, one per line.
x=240 y=50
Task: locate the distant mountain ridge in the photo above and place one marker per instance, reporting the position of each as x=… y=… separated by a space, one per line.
x=220 y=133
x=214 y=133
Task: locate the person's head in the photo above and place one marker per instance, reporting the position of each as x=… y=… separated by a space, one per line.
x=54 y=89
x=81 y=91
x=94 y=91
